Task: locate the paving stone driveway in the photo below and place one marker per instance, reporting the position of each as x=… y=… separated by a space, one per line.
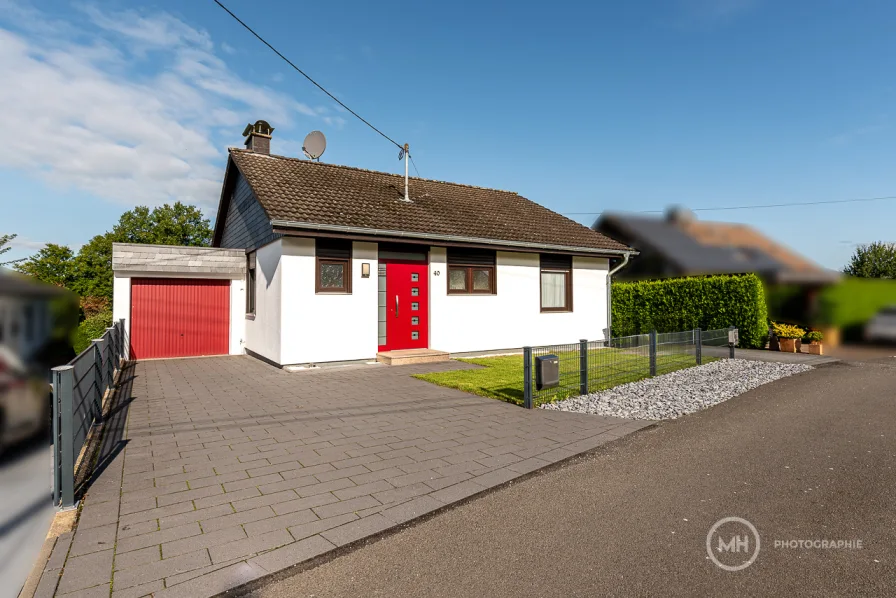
x=232 y=470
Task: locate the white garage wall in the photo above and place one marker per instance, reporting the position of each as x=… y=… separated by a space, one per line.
x=262 y=333
x=319 y=328
x=512 y=318
x=121 y=303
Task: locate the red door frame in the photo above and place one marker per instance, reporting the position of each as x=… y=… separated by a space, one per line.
x=179 y=317
x=400 y=316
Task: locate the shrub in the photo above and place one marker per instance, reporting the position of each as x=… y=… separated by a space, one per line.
x=787 y=330
x=91 y=328
x=814 y=336
x=707 y=302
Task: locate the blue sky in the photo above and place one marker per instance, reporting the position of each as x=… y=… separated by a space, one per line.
x=582 y=107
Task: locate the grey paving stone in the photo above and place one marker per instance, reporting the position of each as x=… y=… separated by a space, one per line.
x=159 y=537
x=319 y=525
x=60 y=551
x=220 y=447
x=140 y=591
x=346 y=506
x=350 y=532
x=251 y=546
x=161 y=569
x=292 y=554
x=86 y=572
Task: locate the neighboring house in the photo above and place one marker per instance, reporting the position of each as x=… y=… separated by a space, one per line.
x=321 y=263
x=26 y=320
x=681 y=245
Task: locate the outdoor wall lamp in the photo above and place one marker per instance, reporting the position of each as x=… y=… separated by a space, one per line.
x=365 y=270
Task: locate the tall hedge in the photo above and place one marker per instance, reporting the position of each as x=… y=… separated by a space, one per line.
x=707 y=302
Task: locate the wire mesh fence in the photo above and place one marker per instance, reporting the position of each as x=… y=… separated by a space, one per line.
x=555 y=372
x=78 y=391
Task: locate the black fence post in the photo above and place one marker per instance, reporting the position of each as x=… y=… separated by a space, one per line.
x=583 y=366
x=698 y=345
x=731 y=336
x=653 y=352
x=63 y=439
x=527 y=377
x=122 y=337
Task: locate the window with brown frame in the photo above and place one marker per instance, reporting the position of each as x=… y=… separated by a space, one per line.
x=556 y=282
x=471 y=272
x=333 y=271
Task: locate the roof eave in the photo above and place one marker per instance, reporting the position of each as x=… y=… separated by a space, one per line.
x=522 y=245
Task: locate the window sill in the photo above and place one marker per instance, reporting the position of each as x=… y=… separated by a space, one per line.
x=481 y=294
x=556 y=311
x=333 y=293
x=250 y=316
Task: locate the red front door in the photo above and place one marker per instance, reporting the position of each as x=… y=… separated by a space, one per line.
x=407 y=306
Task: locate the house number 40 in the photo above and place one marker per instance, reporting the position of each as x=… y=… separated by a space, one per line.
x=436 y=273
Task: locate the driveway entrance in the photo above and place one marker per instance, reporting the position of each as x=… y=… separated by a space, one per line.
x=232 y=469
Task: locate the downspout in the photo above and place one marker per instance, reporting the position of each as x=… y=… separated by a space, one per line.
x=625 y=258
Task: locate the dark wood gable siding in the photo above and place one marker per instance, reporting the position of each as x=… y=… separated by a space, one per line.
x=246 y=225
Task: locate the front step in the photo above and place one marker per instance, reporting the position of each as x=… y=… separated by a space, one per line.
x=411 y=356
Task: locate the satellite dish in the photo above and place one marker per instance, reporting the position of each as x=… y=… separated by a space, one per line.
x=314 y=145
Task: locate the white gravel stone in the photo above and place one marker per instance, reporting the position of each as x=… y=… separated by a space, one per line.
x=678 y=393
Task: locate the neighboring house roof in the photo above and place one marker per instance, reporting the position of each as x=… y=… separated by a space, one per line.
x=132 y=257
x=697 y=247
x=305 y=195
x=19 y=285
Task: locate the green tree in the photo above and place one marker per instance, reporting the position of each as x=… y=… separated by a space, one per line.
x=53 y=264
x=4 y=247
x=874 y=260
x=90 y=272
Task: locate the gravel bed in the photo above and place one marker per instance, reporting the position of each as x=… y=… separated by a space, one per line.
x=681 y=392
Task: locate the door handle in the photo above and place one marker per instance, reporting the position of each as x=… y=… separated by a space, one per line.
x=396 y=306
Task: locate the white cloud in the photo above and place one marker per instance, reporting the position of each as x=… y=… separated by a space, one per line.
x=129 y=107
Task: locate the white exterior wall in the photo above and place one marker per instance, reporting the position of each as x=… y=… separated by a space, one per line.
x=121 y=302
x=512 y=318
x=13 y=323
x=318 y=328
x=263 y=331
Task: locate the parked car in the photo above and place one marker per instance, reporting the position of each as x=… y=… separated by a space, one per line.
x=882 y=327
x=24 y=401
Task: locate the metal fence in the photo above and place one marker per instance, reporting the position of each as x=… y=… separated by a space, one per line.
x=78 y=392
x=590 y=366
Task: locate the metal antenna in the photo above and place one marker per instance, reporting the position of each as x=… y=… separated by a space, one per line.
x=405 y=153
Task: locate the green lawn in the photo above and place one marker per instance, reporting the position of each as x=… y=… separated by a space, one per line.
x=502 y=377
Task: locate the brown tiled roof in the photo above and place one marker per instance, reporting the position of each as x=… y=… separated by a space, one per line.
x=724 y=234
x=302 y=191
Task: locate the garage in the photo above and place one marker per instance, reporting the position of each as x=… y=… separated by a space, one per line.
x=179 y=301
x=179 y=317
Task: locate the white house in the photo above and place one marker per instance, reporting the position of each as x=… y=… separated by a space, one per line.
x=316 y=263
x=26 y=317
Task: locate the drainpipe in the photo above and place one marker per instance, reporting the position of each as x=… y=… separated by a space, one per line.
x=625 y=258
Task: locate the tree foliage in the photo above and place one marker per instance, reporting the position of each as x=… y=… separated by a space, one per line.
x=874 y=260
x=679 y=304
x=5 y=240
x=89 y=273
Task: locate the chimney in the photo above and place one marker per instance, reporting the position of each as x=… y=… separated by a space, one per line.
x=679 y=215
x=258 y=137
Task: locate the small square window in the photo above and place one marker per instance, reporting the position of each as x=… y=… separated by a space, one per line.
x=415 y=320
x=415 y=291
x=414 y=277
x=415 y=335
x=415 y=306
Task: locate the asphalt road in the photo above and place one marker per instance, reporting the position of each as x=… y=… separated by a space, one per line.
x=26 y=510
x=809 y=457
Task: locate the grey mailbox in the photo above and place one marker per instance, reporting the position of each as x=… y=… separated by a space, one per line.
x=547 y=371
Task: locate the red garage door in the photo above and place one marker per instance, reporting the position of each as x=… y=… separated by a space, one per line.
x=173 y=317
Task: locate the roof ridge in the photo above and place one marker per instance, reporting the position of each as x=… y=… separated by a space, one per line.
x=344 y=167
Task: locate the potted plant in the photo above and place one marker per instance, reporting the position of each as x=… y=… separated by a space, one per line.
x=787 y=336
x=814 y=337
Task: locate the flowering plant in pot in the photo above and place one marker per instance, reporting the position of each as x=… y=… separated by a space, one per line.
x=787 y=336
x=814 y=337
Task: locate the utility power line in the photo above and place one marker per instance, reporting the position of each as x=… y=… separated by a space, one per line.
x=754 y=207
x=304 y=74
